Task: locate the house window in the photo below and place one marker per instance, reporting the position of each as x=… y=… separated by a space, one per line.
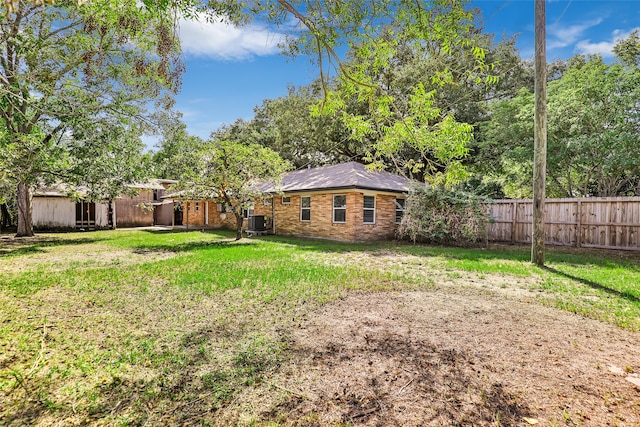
x=340 y=208
x=266 y=202
x=399 y=210
x=286 y=200
x=246 y=213
x=369 y=213
x=196 y=206
x=305 y=208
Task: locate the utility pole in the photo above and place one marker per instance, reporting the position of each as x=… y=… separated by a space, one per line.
x=539 y=135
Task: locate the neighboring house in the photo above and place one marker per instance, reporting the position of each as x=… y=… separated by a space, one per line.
x=53 y=209
x=340 y=202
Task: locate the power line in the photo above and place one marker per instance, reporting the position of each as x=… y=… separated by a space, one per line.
x=498 y=11
x=563 y=12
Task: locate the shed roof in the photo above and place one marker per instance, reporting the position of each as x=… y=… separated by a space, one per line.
x=349 y=175
x=64 y=190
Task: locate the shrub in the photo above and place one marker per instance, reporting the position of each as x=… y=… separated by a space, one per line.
x=435 y=215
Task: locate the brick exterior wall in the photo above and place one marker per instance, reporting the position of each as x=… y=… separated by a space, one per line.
x=215 y=220
x=321 y=225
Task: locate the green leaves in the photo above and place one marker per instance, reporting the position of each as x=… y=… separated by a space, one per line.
x=76 y=82
x=444 y=217
x=385 y=98
x=593 y=131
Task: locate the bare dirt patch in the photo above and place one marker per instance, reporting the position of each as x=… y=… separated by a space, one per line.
x=457 y=358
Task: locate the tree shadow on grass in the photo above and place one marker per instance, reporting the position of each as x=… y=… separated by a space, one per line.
x=31 y=245
x=594 y=285
x=181 y=385
x=188 y=246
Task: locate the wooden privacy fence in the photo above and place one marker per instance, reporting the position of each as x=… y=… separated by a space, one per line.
x=610 y=222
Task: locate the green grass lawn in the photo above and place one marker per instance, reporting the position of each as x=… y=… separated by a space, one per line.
x=133 y=327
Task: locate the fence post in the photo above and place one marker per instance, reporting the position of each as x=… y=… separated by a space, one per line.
x=579 y=224
x=514 y=222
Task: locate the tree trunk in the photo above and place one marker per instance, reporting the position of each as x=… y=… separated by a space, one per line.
x=239 y=222
x=24 y=202
x=5 y=216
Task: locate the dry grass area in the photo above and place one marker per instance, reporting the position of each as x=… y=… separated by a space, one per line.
x=51 y=256
x=443 y=357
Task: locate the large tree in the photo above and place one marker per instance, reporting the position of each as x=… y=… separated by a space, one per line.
x=287 y=125
x=593 y=131
x=374 y=33
x=176 y=149
x=71 y=75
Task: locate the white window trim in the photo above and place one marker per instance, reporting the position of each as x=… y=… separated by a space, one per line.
x=369 y=209
x=333 y=212
x=398 y=208
x=288 y=202
x=196 y=206
x=302 y=209
x=267 y=202
x=246 y=213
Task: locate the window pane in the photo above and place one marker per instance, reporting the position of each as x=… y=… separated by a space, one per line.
x=368 y=216
x=399 y=203
x=306 y=215
x=369 y=202
x=340 y=201
x=306 y=202
x=399 y=215
x=339 y=215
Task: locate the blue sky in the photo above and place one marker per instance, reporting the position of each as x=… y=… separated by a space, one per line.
x=230 y=71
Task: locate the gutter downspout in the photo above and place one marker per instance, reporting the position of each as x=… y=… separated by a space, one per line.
x=273 y=215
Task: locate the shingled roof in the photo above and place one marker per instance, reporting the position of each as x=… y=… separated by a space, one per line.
x=349 y=175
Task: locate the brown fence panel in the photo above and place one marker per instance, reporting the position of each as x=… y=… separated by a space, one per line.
x=611 y=222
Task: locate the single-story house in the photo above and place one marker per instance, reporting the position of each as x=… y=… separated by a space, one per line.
x=53 y=209
x=339 y=202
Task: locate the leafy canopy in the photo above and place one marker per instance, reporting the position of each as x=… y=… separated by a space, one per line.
x=75 y=83
x=593 y=131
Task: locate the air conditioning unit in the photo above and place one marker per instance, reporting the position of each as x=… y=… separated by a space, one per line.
x=257 y=222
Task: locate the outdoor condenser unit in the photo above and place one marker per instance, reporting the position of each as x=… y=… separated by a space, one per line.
x=257 y=222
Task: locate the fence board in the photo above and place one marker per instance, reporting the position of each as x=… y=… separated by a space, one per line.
x=608 y=222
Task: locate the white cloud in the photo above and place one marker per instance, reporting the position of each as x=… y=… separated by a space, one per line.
x=223 y=41
x=560 y=36
x=604 y=48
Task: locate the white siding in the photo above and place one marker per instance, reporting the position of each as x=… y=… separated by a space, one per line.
x=60 y=212
x=102 y=215
x=54 y=212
